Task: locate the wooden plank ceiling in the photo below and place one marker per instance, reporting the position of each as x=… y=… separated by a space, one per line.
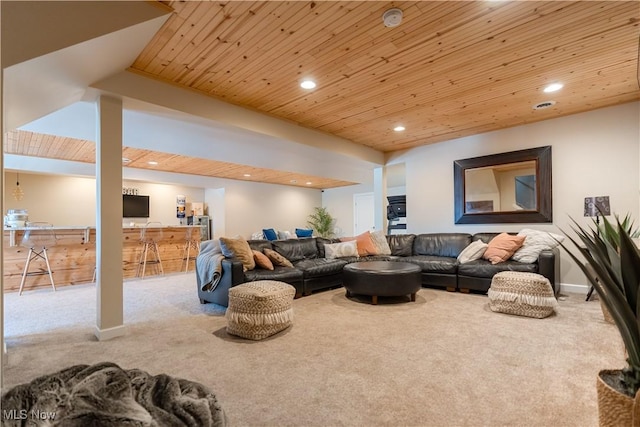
x=451 y=69
x=32 y=144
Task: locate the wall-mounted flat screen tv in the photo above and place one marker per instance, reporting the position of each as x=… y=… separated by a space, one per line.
x=135 y=206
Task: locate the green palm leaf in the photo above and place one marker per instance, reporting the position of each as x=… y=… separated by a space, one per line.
x=613 y=268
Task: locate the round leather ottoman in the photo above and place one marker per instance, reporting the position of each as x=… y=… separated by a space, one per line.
x=259 y=309
x=382 y=278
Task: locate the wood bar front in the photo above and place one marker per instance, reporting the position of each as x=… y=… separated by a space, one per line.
x=73 y=257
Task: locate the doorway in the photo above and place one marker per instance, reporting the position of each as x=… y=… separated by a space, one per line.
x=363 y=213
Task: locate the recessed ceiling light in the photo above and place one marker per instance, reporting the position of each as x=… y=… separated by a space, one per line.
x=553 y=87
x=307 y=84
x=247 y=175
x=309 y=182
x=125 y=160
x=399 y=128
x=152 y=163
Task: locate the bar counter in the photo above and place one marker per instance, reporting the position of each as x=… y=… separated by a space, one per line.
x=73 y=257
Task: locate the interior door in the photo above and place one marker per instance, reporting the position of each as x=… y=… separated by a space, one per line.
x=363 y=213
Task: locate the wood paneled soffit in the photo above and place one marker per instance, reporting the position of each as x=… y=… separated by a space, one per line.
x=32 y=144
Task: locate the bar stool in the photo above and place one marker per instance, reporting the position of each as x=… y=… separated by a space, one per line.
x=38 y=237
x=150 y=234
x=190 y=243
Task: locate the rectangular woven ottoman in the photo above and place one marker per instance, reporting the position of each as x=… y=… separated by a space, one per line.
x=260 y=309
x=522 y=294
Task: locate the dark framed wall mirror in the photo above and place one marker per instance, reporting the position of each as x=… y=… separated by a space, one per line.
x=513 y=187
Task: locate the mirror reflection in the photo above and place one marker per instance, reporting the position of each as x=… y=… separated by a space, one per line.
x=512 y=187
x=507 y=187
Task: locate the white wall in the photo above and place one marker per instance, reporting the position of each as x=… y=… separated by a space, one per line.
x=593 y=154
x=71 y=200
x=339 y=203
x=249 y=207
x=237 y=208
x=59 y=200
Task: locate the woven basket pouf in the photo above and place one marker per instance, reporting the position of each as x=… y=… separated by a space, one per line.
x=260 y=309
x=522 y=294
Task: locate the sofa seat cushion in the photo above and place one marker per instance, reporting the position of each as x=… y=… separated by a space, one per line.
x=483 y=268
x=320 y=267
x=283 y=274
x=434 y=264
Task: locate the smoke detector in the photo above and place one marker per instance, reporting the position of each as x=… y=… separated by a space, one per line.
x=392 y=17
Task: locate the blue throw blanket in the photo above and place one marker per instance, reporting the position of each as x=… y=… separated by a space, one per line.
x=209 y=265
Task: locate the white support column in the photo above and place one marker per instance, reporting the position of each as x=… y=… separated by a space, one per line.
x=380 y=197
x=109 y=320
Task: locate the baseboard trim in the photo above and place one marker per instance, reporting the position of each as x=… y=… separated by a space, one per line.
x=570 y=288
x=107 y=334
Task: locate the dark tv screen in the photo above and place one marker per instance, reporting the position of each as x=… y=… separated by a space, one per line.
x=135 y=206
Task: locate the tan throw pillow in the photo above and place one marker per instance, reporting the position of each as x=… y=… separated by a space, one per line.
x=240 y=249
x=276 y=258
x=474 y=251
x=262 y=260
x=364 y=242
x=340 y=250
x=380 y=241
x=502 y=247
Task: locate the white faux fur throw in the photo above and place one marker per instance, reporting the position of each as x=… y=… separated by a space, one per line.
x=106 y=395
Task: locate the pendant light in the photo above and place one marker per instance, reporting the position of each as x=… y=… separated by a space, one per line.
x=18 y=194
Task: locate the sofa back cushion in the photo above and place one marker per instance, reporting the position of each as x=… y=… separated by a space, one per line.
x=441 y=244
x=296 y=249
x=321 y=241
x=259 y=245
x=487 y=237
x=401 y=244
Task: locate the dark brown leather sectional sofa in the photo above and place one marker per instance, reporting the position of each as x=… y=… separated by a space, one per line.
x=435 y=253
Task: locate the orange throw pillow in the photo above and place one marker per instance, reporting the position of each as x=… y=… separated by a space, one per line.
x=364 y=242
x=502 y=247
x=262 y=260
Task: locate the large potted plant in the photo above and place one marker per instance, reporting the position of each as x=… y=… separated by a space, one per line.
x=612 y=266
x=322 y=222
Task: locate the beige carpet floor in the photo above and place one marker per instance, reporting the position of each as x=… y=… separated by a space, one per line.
x=444 y=360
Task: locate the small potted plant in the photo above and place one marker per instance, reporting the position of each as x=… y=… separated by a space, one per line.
x=322 y=222
x=613 y=268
